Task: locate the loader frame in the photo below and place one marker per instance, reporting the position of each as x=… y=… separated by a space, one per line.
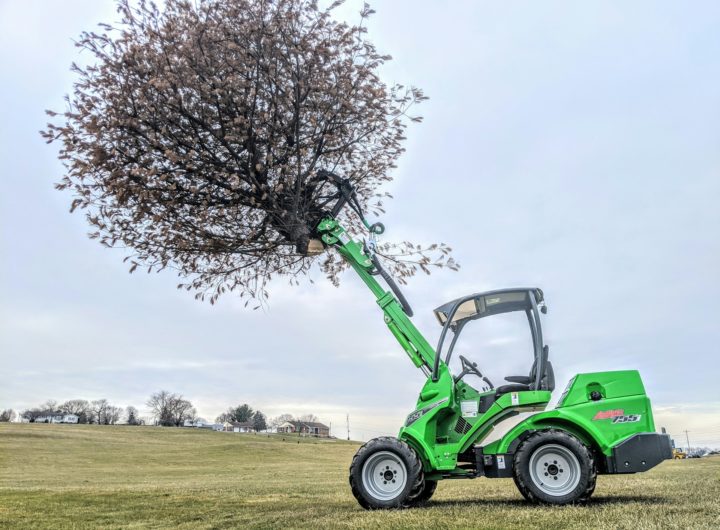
x=602 y=423
x=608 y=411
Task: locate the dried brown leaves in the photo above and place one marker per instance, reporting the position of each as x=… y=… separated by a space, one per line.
x=195 y=136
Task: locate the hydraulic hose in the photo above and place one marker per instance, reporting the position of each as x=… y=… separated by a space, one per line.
x=393 y=286
x=346 y=195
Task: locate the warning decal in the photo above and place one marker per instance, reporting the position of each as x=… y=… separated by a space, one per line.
x=469 y=409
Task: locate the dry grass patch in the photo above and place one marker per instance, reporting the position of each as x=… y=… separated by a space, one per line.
x=75 y=476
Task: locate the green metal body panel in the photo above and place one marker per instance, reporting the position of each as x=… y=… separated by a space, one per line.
x=622 y=411
x=441 y=433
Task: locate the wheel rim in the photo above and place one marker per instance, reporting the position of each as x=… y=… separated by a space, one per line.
x=384 y=475
x=555 y=470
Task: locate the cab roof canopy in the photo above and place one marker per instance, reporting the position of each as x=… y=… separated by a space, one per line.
x=489 y=303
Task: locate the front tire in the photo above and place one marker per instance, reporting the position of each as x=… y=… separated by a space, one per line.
x=423 y=493
x=554 y=467
x=385 y=474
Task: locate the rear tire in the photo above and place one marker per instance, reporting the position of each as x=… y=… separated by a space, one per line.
x=385 y=473
x=554 y=467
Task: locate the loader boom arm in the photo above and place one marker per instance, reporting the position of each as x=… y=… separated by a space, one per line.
x=412 y=341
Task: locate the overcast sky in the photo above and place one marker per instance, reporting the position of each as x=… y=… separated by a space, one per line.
x=572 y=146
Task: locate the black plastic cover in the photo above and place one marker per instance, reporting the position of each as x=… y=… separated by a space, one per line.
x=640 y=452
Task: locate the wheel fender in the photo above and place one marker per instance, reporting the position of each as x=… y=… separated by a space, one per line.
x=588 y=434
x=421 y=448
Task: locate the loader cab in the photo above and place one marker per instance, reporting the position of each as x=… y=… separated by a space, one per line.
x=457 y=314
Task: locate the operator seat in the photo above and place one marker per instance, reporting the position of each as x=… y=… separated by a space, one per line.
x=521 y=383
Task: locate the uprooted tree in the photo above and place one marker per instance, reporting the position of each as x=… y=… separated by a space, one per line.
x=195 y=137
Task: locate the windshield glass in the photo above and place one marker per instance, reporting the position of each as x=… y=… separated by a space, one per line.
x=483 y=305
x=501 y=346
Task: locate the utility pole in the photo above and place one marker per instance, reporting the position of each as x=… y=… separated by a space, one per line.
x=347 y=418
x=330 y=429
x=687 y=439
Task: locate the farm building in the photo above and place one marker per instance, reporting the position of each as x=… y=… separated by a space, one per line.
x=308 y=428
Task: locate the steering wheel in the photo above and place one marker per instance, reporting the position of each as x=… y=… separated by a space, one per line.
x=471 y=368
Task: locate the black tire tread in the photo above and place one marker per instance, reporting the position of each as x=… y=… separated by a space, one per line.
x=423 y=493
x=413 y=464
x=520 y=479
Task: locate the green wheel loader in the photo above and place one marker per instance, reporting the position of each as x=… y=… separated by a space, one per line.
x=602 y=422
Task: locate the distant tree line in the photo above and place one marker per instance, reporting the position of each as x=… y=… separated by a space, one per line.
x=99 y=412
x=166 y=408
x=283 y=418
x=697 y=452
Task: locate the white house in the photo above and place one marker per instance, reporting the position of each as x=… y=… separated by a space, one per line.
x=305 y=428
x=203 y=424
x=213 y=426
x=57 y=417
x=236 y=426
x=50 y=417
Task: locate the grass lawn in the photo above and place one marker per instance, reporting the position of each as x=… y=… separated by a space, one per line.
x=77 y=476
